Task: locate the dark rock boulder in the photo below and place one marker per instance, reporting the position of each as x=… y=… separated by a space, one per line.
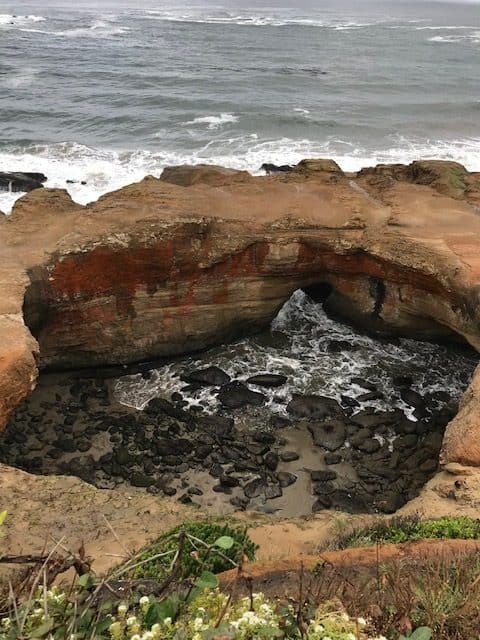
x=270 y=168
x=322 y=475
x=412 y=398
x=286 y=479
x=332 y=458
x=273 y=491
x=254 y=487
x=268 y=380
x=210 y=376
x=314 y=407
x=235 y=395
x=13 y=181
x=363 y=383
x=330 y=434
x=289 y=456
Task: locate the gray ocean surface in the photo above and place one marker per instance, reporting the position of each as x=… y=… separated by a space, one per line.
x=107 y=92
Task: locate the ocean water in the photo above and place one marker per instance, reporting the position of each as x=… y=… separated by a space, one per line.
x=108 y=92
x=305 y=355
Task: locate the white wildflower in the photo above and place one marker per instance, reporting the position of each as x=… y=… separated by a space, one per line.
x=122 y=609
x=198 y=624
x=131 y=621
x=361 y=621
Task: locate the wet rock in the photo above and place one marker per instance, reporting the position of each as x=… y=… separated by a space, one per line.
x=185 y=499
x=222 y=488
x=123 y=456
x=349 y=402
x=83 y=445
x=390 y=502
x=236 y=395
x=289 y=456
x=254 y=487
x=268 y=380
x=139 y=479
x=239 y=502
x=370 y=397
x=352 y=502
x=365 y=384
x=372 y=420
x=332 y=458
x=433 y=441
x=329 y=434
x=169 y=491
x=321 y=503
x=263 y=437
x=402 y=382
x=21 y=181
x=229 y=481
x=370 y=445
x=337 y=346
x=323 y=475
x=286 y=479
x=66 y=444
x=359 y=436
x=273 y=491
x=271 y=460
x=321 y=488
x=412 y=398
x=159 y=406
x=210 y=376
x=313 y=407
x=406 y=441
x=429 y=466
x=220 y=426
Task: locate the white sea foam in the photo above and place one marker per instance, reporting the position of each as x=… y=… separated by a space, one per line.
x=309 y=364
x=106 y=170
x=214 y=122
x=9 y=20
x=261 y=18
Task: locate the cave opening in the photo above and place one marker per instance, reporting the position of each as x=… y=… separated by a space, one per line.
x=307 y=415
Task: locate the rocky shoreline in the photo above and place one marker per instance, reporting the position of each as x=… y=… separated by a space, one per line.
x=204 y=255
x=324 y=455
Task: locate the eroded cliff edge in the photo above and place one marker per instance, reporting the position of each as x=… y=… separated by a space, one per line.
x=204 y=254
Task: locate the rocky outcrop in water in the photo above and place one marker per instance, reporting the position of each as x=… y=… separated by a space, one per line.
x=15 y=181
x=169 y=266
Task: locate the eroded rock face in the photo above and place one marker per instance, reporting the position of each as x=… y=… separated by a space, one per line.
x=203 y=255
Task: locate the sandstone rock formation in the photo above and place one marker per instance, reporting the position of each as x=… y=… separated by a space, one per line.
x=167 y=266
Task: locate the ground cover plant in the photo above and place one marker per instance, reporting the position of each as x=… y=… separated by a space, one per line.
x=410 y=528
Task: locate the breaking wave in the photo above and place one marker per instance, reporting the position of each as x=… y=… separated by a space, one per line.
x=106 y=170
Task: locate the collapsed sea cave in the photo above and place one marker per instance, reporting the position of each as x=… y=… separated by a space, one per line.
x=311 y=414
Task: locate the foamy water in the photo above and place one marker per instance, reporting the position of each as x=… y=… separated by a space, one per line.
x=311 y=367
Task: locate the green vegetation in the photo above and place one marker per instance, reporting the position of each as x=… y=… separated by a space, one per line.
x=407 y=529
x=208 y=545
x=455 y=178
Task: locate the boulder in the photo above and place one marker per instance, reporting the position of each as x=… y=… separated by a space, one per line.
x=25 y=181
x=267 y=380
x=313 y=407
x=329 y=435
x=236 y=395
x=210 y=376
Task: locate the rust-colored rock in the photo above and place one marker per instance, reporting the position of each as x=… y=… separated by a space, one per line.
x=205 y=254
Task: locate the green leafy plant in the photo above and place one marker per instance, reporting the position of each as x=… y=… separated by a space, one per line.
x=421 y=633
x=209 y=546
x=406 y=529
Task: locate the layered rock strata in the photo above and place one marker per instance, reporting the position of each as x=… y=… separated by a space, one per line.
x=171 y=265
